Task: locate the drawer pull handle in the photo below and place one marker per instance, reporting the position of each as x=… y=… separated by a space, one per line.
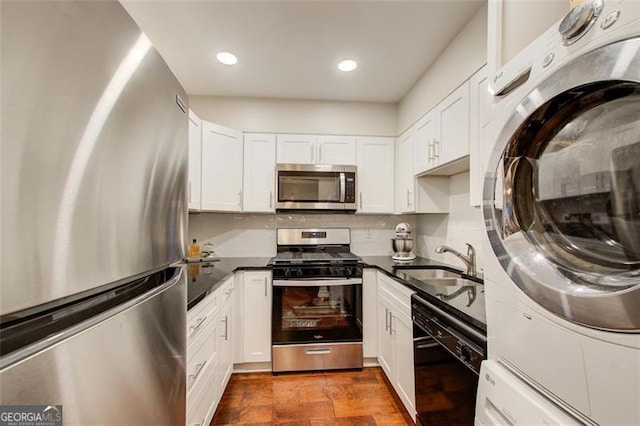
x=386 y=319
x=199 y=368
x=200 y=321
x=226 y=327
x=317 y=351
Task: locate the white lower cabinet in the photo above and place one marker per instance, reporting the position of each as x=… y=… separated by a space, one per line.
x=225 y=361
x=256 y=316
x=395 y=339
x=209 y=362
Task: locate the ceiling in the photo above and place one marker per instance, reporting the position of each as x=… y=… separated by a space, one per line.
x=290 y=49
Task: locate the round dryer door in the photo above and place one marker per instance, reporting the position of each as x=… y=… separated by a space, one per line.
x=563 y=202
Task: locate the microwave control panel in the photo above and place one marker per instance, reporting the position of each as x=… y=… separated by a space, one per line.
x=350 y=188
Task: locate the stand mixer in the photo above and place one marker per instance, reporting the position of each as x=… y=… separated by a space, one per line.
x=402 y=244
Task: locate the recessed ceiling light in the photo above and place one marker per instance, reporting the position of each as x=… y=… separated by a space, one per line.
x=227 y=58
x=347 y=65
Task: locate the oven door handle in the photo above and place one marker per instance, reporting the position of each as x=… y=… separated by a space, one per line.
x=317 y=283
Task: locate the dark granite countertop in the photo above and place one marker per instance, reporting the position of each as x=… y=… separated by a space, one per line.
x=386 y=264
x=205 y=277
x=474 y=314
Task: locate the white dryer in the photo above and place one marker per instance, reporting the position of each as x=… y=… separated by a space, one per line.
x=562 y=210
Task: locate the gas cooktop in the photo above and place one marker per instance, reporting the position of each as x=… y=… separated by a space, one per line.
x=306 y=257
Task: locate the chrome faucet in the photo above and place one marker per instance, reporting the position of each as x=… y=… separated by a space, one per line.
x=469 y=260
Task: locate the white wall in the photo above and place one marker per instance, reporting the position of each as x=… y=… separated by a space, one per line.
x=298 y=116
x=249 y=235
x=464 y=56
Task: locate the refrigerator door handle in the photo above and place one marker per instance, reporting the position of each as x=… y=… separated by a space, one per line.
x=20 y=354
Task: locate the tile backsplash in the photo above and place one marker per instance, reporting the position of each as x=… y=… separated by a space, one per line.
x=249 y=235
x=463 y=224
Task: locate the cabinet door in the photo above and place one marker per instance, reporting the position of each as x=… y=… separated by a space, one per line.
x=225 y=360
x=385 y=339
x=298 y=149
x=479 y=145
x=402 y=330
x=454 y=125
x=336 y=150
x=195 y=155
x=375 y=175
x=427 y=132
x=259 y=172
x=405 y=181
x=256 y=322
x=221 y=168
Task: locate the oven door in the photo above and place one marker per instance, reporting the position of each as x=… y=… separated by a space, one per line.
x=562 y=196
x=317 y=311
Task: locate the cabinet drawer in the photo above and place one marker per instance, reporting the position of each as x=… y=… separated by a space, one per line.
x=201 y=353
x=398 y=294
x=202 y=399
x=226 y=290
x=200 y=314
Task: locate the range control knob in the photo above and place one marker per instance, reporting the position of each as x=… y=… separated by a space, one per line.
x=579 y=20
x=465 y=353
x=299 y=272
x=287 y=272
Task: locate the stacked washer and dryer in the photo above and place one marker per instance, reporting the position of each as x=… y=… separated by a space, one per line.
x=562 y=211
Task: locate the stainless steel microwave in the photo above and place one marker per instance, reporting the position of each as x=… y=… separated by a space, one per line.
x=316 y=187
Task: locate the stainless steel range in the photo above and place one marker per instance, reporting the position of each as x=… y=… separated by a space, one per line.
x=317 y=301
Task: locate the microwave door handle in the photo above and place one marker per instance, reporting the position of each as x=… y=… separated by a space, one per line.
x=342 y=187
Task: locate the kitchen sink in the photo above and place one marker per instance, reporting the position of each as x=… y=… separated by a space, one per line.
x=435 y=277
x=441 y=283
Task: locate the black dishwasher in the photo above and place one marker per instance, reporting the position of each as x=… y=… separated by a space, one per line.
x=447 y=353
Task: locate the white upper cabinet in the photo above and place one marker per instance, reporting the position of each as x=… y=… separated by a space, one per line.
x=316 y=149
x=221 y=168
x=480 y=143
x=454 y=126
x=427 y=132
x=195 y=166
x=259 y=172
x=405 y=193
x=336 y=150
x=298 y=149
x=442 y=136
x=375 y=174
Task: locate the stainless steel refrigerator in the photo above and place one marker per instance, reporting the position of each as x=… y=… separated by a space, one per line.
x=94 y=214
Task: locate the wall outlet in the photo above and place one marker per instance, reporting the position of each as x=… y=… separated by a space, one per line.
x=368 y=234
